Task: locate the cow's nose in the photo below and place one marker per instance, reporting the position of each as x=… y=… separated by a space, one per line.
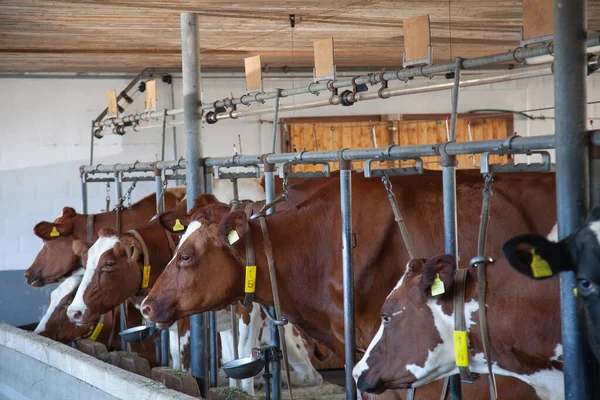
x=26 y=274
x=74 y=314
x=146 y=310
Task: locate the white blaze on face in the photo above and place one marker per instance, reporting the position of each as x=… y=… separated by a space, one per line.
x=65 y=288
x=102 y=245
x=595 y=227
x=362 y=365
x=192 y=227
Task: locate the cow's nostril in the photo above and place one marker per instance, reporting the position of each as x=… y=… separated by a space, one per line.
x=146 y=310
x=77 y=315
x=26 y=276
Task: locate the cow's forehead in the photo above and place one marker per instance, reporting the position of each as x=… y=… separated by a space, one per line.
x=192 y=227
x=400 y=281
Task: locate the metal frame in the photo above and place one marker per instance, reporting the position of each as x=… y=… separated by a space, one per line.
x=571 y=146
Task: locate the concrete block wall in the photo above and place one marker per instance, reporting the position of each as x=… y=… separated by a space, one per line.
x=45 y=137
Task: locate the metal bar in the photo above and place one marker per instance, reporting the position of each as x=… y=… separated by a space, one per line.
x=212 y=339
x=164 y=334
x=390 y=92
x=160 y=207
x=570 y=101
x=92 y=144
x=348 y=275
x=375 y=77
x=275 y=119
x=84 y=193
x=173 y=128
x=122 y=325
x=192 y=91
x=518 y=144
x=275 y=341
x=449 y=198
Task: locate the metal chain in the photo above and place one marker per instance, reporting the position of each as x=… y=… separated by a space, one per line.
x=161 y=200
x=487 y=186
x=125 y=197
x=286 y=183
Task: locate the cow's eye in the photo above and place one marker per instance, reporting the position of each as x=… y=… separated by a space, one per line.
x=386 y=318
x=585 y=286
x=110 y=264
x=185 y=258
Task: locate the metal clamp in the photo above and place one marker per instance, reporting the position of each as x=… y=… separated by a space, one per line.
x=370 y=172
x=480 y=260
x=384 y=86
x=275 y=321
x=544 y=166
x=218 y=174
x=284 y=170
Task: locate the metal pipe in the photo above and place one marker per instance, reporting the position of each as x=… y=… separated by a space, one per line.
x=173 y=128
x=517 y=144
x=570 y=101
x=275 y=340
x=92 y=144
x=122 y=326
x=390 y=92
x=375 y=77
x=275 y=118
x=192 y=91
x=449 y=196
x=160 y=207
x=212 y=334
x=348 y=275
x=164 y=343
x=84 y=193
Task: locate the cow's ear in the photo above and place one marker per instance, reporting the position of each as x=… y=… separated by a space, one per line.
x=203 y=200
x=537 y=257
x=174 y=222
x=80 y=248
x=131 y=247
x=50 y=230
x=438 y=276
x=68 y=212
x=232 y=227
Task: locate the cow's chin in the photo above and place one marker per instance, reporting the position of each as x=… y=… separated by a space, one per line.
x=165 y=325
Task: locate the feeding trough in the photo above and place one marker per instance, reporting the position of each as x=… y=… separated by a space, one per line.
x=244 y=368
x=138 y=334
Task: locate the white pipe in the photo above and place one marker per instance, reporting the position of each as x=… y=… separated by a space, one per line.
x=549 y=58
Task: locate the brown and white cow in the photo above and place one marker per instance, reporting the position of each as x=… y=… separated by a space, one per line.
x=307 y=250
x=415 y=341
x=56 y=258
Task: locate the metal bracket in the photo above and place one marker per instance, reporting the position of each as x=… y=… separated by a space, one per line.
x=284 y=168
x=218 y=174
x=282 y=321
x=544 y=166
x=426 y=61
x=370 y=172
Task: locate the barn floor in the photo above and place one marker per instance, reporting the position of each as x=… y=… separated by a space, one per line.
x=327 y=391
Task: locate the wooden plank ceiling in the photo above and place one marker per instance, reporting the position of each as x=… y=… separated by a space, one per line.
x=129 y=35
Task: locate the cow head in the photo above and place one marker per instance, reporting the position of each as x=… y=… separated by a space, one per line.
x=55 y=259
x=414 y=343
x=206 y=272
x=55 y=324
x=113 y=274
x=537 y=257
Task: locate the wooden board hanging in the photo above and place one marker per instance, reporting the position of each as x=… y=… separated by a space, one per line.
x=151 y=95
x=113 y=110
x=324 y=63
x=417 y=38
x=537 y=18
x=253 y=68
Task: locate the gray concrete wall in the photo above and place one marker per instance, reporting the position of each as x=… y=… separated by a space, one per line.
x=34 y=367
x=21 y=304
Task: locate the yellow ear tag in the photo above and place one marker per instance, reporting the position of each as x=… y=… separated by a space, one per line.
x=437 y=287
x=461 y=348
x=96 y=331
x=132 y=253
x=146 y=277
x=539 y=266
x=54 y=232
x=233 y=236
x=178 y=226
x=575 y=292
x=250 y=286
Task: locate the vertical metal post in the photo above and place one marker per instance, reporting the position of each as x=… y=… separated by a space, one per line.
x=348 y=275
x=192 y=100
x=92 y=145
x=449 y=198
x=570 y=101
x=212 y=318
x=275 y=119
x=160 y=207
x=174 y=128
x=275 y=340
x=84 y=192
x=118 y=195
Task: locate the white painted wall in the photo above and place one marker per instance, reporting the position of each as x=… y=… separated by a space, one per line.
x=45 y=137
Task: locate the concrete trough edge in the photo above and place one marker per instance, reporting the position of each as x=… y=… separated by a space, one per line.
x=108 y=378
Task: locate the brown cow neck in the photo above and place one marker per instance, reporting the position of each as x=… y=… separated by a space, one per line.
x=159 y=255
